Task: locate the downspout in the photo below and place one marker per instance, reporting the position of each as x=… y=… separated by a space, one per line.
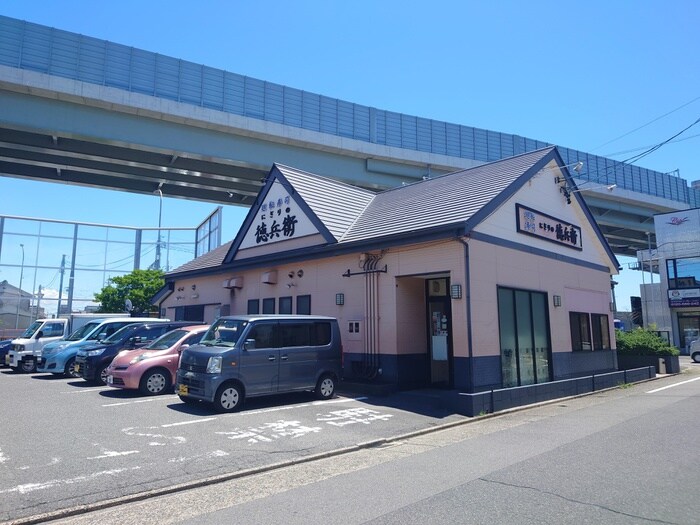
x=468 y=307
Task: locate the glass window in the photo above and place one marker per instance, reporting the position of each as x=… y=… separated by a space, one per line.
x=506 y=322
x=263 y=334
x=253 y=306
x=296 y=334
x=601 y=332
x=269 y=305
x=524 y=337
x=683 y=273
x=580 y=332
x=285 y=305
x=304 y=305
x=322 y=333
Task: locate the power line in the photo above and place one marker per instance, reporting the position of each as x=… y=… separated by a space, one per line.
x=647 y=124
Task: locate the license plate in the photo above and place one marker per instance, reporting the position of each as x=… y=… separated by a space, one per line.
x=110 y=380
x=182 y=390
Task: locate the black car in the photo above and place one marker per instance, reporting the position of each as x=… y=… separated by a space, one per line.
x=5 y=347
x=92 y=361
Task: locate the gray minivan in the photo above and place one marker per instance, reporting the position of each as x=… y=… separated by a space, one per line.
x=244 y=356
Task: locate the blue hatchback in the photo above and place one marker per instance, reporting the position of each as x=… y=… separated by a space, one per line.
x=4 y=348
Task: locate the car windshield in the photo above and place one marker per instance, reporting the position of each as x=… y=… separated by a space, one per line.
x=83 y=331
x=31 y=330
x=167 y=340
x=224 y=332
x=120 y=334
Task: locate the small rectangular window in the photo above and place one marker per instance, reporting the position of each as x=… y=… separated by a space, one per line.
x=580 y=332
x=285 y=305
x=269 y=305
x=304 y=305
x=253 y=306
x=601 y=332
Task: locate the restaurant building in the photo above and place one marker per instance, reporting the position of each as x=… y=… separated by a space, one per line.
x=492 y=277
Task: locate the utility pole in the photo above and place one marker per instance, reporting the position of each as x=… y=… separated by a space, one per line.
x=60 y=286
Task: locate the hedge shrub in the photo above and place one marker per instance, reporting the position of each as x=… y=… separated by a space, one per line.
x=642 y=341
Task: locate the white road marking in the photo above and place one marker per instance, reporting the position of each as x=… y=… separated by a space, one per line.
x=189 y=422
x=671 y=386
x=3 y=457
x=31 y=487
x=214 y=454
x=133 y=431
x=129 y=402
x=114 y=453
x=80 y=391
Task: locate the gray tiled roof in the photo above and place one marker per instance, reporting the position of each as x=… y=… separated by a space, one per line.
x=354 y=214
x=450 y=199
x=336 y=204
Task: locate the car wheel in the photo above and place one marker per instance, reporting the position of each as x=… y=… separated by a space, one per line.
x=325 y=388
x=228 y=398
x=696 y=357
x=154 y=382
x=101 y=375
x=69 y=370
x=27 y=366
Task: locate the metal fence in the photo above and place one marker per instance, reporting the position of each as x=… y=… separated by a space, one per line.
x=51 y=266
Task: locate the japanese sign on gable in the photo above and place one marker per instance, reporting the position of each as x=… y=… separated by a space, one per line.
x=549 y=228
x=278 y=218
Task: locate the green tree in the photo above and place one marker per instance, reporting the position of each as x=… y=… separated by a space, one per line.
x=138 y=286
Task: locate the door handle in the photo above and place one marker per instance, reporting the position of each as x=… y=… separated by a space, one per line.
x=271 y=358
x=284 y=357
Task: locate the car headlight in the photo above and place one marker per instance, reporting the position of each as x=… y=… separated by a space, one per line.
x=214 y=365
x=92 y=353
x=139 y=358
x=19 y=348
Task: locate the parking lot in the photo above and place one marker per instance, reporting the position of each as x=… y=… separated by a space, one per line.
x=65 y=442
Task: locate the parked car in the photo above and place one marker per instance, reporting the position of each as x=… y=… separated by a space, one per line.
x=152 y=369
x=5 y=347
x=91 y=361
x=247 y=356
x=695 y=350
x=58 y=357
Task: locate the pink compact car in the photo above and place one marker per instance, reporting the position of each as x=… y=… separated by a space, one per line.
x=152 y=369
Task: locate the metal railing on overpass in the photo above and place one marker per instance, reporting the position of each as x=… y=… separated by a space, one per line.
x=34 y=47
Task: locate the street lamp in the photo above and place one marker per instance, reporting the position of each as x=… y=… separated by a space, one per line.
x=160 y=214
x=19 y=292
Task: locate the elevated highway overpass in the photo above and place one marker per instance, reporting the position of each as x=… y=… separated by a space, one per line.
x=80 y=110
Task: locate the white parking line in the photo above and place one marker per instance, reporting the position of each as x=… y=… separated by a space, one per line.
x=188 y=422
x=80 y=391
x=671 y=386
x=122 y=403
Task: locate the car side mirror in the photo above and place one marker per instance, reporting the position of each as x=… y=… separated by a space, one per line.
x=249 y=344
x=40 y=334
x=183 y=347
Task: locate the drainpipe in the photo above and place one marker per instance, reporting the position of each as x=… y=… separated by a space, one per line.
x=468 y=306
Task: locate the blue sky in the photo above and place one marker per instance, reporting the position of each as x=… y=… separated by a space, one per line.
x=611 y=78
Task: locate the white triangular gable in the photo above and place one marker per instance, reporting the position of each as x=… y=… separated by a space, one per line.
x=539 y=216
x=279 y=218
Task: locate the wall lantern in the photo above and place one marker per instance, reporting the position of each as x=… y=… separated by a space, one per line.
x=556 y=299
x=340 y=299
x=456 y=291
